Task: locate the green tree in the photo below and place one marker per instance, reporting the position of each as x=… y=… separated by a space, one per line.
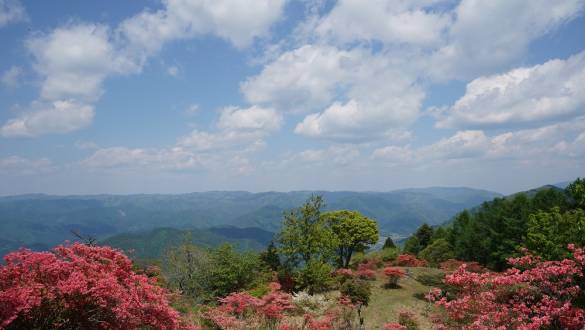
x=549 y=233
x=389 y=244
x=353 y=232
x=421 y=238
x=577 y=192
x=270 y=257
x=315 y=277
x=438 y=251
x=305 y=235
x=424 y=234
x=186 y=269
x=231 y=271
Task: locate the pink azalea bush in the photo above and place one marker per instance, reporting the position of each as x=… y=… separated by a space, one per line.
x=533 y=294
x=240 y=310
x=453 y=264
x=82 y=287
x=407 y=260
x=394 y=274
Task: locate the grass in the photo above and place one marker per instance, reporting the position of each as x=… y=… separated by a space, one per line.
x=385 y=304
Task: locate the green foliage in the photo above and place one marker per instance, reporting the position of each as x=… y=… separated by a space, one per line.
x=305 y=235
x=389 y=243
x=270 y=257
x=412 y=245
x=186 y=269
x=359 y=291
x=577 y=192
x=205 y=275
x=421 y=238
x=352 y=231
x=550 y=232
x=315 y=277
x=438 y=251
x=496 y=230
x=231 y=271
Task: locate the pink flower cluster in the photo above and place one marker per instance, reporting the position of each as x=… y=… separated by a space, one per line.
x=533 y=294
x=367 y=270
x=453 y=264
x=80 y=286
x=240 y=310
x=407 y=260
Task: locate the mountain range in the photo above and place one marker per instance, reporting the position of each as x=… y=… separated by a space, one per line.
x=42 y=221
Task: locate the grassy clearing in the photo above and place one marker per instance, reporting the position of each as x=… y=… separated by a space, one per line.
x=386 y=303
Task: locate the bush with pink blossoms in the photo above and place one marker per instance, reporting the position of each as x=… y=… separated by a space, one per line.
x=407 y=260
x=80 y=287
x=532 y=294
x=394 y=275
x=241 y=310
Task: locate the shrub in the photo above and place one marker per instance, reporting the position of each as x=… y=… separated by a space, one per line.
x=393 y=274
x=315 y=277
x=358 y=291
x=80 y=287
x=437 y=252
x=241 y=310
x=407 y=260
x=315 y=304
x=408 y=320
x=533 y=294
x=366 y=274
x=452 y=265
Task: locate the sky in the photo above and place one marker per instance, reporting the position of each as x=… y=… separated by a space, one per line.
x=177 y=96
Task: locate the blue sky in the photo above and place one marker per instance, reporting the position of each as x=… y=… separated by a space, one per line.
x=192 y=95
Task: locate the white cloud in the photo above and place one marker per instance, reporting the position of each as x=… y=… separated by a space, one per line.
x=175 y=158
x=300 y=80
x=11 y=77
x=236 y=21
x=238 y=127
x=217 y=141
x=391 y=22
x=11 y=11
x=380 y=90
x=55 y=117
x=173 y=71
x=542 y=93
x=74 y=61
x=253 y=118
x=392 y=153
x=192 y=109
x=487 y=36
x=16 y=165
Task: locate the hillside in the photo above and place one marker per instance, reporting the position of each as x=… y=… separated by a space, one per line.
x=152 y=244
x=41 y=221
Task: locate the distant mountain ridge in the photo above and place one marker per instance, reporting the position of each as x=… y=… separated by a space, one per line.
x=41 y=221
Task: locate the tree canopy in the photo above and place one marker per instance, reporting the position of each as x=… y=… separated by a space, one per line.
x=353 y=232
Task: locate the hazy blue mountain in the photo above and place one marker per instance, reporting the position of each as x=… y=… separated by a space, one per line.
x=41 y=221
x=153 y=244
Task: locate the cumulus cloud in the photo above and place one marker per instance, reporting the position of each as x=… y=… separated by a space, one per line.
x=391 y=22
x=175 y=158
x=524 y=96
x=235 y=21
x=253 y=118
x=300 y=80
x=238 y=127
x=487 y=36
x=11 y=11
x=54 y=117
x=556 y=141
x=11 y=77
x=16 y=165
x=74 y=60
